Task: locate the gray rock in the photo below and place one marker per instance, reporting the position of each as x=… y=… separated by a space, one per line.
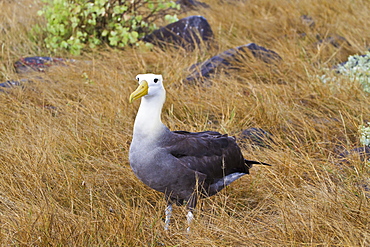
x=40 y=64
x=12 y=83
x=335 y=40
x=362 y=153
x=227 y=60
x=308 y=21
x=188 y=33
x=191 y=5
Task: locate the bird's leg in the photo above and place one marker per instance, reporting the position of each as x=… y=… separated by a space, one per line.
x=168 y=213
x=189 y=218
x=191 y=206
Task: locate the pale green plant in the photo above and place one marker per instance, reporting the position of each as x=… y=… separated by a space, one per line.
x=365 y=134
x=73 y=25
x=357 y=68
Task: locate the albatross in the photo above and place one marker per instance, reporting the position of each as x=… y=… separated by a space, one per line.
x=185 y=166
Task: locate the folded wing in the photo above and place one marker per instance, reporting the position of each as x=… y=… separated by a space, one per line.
x=209 y=152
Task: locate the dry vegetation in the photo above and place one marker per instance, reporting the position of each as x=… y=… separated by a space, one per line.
x=65 y=177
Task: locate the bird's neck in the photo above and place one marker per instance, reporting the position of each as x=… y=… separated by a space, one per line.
x=148 y=123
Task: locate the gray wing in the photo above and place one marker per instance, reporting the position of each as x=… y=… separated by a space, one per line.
x=210 y=153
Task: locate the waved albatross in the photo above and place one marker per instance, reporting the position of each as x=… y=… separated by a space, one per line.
x=183 y=165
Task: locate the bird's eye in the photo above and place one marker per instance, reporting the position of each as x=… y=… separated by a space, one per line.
x=137 y=78
x=155 y=80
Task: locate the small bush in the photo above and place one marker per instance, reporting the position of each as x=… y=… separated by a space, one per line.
x=357 y=68
x=365 y=134
x=73 y=25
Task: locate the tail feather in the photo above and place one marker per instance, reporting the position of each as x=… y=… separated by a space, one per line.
x=250 y=163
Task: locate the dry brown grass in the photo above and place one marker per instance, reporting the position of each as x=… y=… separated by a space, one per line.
x=65 y=177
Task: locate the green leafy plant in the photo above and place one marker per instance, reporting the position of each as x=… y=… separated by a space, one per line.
x=357 y=68
x=73 y=25
x=365 y=134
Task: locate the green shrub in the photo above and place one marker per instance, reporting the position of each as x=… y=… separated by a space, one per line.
x=75 y=24
x=365 y=134
x=357 y=68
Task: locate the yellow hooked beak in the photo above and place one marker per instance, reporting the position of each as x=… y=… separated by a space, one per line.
x=140 y=91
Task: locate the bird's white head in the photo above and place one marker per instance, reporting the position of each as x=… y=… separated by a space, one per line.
x=148 y=122
x=149 y=85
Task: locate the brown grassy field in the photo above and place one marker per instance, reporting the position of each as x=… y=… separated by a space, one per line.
x=65 y=177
